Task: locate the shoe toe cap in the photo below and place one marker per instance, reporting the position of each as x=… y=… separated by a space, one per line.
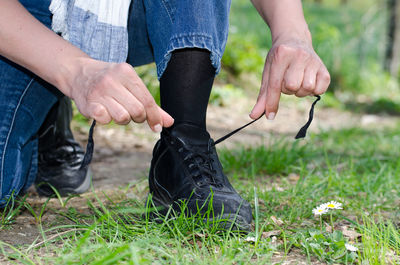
x=230 y=206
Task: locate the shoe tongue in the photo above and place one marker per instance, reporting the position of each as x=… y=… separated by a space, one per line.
x=191 y=134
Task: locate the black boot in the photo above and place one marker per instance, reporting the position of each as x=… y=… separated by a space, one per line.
x=185 y=167
x=60 y=156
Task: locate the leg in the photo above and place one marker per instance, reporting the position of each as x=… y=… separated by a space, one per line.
x=186 y=84
x=175 y=24
x=188 y=39
x=60 y=156
x=24 y=103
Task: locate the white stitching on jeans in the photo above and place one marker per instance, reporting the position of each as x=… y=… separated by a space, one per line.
x=168 y=11
x=8 y=136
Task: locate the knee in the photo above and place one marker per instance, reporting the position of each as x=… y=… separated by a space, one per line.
x=18 y=166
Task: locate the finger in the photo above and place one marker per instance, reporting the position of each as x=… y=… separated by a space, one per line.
x=153 y=114
x=303 y=93
x=117 y=112
x=323 y=80
x=259 y=107
x=99 y=113
x=168 y=121
x=131 y=104
x=137 y=88
x=294 y=76
x=308 y=85
x=310 y=77
x=276 y=75
x=285 y=91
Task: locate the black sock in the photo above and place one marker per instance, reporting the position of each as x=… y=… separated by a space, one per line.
x=186 y=84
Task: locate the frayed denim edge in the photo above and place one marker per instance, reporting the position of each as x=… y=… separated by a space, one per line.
x=190 y=41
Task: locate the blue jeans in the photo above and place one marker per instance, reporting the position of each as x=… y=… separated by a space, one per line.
x=156 y=28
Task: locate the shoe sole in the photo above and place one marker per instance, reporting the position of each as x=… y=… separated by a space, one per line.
x=231 y=222
x=68 y=191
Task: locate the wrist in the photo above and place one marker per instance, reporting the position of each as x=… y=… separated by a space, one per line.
x=289 y=33
x=67 y=71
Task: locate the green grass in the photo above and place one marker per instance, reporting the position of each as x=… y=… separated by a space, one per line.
x=283 y=179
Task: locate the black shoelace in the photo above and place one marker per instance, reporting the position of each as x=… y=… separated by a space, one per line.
x=200 y=163
x=301 y=134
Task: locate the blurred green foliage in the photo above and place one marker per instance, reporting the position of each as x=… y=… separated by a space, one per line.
x=148 y=74
x=244 y=57
x=248 y=41
x=223 y=95
x=349 y=38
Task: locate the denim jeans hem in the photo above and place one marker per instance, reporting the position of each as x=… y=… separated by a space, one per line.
x=189 y=40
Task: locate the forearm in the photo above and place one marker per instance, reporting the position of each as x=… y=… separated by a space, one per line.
x=27 y=42
x=284 y=17
x=101 y=90
x=291 y=66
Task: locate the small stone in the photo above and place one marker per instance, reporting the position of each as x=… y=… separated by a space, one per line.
x=270 y=233
x=276 y=221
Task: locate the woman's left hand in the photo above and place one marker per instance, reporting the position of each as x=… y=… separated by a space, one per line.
x=292 y=67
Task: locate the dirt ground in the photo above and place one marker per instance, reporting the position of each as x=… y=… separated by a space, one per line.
x=122 y=154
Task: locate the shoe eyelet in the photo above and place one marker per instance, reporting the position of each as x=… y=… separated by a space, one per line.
x=180 y=150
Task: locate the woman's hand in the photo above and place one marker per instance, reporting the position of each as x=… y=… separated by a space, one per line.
x=102 y=91
x=292 y=67
x=110 y=91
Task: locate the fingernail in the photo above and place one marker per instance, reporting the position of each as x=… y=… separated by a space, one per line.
x=271 y=116
x=157 y=128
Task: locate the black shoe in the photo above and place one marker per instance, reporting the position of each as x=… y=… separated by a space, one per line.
x=60 y=156
x=185 y=167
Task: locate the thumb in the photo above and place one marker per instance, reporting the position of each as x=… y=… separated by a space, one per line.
x=259 y=107
x=272 y=101
x=167 y=119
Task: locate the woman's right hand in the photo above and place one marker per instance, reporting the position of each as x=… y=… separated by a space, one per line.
x=102 y=91
x=110 y=91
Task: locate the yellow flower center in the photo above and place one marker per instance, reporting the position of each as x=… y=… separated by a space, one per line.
x=331 y=205
x=320 y=210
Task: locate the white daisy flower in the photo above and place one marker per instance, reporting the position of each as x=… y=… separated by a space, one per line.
x=350 y=247
x=332 y=205
x=251 y=239
x=320 y=210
